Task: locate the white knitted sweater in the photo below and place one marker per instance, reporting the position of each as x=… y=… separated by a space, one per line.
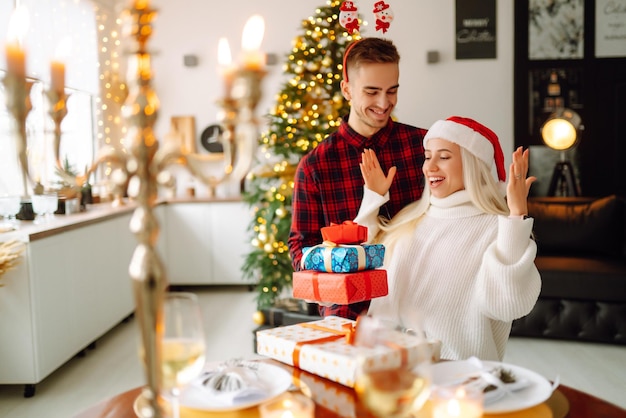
x=465 y=275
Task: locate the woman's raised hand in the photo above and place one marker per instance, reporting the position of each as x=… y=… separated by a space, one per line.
x=518 y=186
x=373 y=175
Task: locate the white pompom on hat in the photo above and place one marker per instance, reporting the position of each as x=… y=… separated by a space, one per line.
x=474 y=137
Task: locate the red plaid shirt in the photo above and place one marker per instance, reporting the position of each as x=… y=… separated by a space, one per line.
x=329 y=186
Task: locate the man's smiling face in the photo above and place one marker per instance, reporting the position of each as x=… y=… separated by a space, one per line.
x=373 y=92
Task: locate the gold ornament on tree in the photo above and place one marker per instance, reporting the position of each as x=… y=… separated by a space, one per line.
x=258 y=317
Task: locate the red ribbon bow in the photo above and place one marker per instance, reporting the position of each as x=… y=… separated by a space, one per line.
x=348 y=232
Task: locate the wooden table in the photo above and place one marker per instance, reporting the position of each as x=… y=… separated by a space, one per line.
x=565 y=402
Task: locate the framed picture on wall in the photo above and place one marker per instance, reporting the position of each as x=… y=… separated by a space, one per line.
x=475 y=29
x=556 y=29
x=184 y=128
x=610 y=28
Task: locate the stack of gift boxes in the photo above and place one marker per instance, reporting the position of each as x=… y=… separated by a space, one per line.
x=341 y=270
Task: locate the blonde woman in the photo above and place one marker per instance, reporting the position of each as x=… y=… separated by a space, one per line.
x=462 y=256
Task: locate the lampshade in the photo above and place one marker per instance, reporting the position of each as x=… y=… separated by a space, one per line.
x=561 y=130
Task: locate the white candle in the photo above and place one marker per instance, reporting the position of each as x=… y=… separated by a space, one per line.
x=457 y=408
x=57 y=76
x=457 y=403
x=16 y=60
x=226 y=67
x=253 y=31
x=15 y=54
x=57 y=66
x=290 y=405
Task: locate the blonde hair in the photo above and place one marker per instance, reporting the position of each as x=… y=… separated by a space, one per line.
x=484 y=190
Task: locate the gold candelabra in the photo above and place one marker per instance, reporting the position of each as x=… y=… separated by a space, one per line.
x=144 y=169
x=19 y=105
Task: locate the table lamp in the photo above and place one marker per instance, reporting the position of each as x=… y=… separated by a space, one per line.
x=561 y=131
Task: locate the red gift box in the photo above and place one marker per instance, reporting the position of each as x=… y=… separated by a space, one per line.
x=340 y=288
x=346 y=233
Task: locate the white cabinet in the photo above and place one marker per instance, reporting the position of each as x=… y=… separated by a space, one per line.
x=69 y=290
x=206 y=242
x=18 y=352
x=73 y=284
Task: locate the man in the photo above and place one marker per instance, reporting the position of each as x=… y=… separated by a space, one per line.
x=328 y=182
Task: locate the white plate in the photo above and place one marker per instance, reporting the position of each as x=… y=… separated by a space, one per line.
x=277 y=381
x=537 y=392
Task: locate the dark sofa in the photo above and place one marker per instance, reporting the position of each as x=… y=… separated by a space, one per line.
x=581 y=256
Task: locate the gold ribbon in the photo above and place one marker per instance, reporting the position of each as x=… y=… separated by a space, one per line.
x=328 y=254
x=347 y=331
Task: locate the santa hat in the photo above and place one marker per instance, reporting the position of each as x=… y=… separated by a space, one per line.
x=380 y=6
x=348 y=6
x=474 y=137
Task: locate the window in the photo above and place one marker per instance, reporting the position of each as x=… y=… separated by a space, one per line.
x=52 y=21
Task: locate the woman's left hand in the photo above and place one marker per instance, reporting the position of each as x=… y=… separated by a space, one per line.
x=518 y=186
x=373 y=175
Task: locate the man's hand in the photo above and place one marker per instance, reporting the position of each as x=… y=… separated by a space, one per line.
x=373 y=175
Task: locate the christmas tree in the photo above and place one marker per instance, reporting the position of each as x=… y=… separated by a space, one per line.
x=308 y=107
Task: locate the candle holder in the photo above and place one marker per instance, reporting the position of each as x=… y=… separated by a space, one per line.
x=457 y=402
x=144 y=167
x=58 y=111
x=18 y=102
x=292 y=405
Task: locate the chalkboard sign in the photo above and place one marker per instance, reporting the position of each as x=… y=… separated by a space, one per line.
x=475 y=29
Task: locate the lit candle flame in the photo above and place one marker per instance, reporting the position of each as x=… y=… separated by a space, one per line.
x=64 y=49
x=253 y=33
x=18 y=24
x=224 y=57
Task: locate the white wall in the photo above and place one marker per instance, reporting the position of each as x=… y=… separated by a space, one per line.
x=481 y=89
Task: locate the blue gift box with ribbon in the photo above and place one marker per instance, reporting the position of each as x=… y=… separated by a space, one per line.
x=333 y=258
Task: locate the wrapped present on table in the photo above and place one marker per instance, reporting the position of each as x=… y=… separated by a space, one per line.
x=339 y=258
x=340 y=288
x=337 y=398
x=347 y=232
x=325 y=348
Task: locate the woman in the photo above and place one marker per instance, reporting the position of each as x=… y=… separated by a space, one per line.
x=462 y=256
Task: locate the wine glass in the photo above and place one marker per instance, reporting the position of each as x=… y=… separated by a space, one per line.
x=393 y=376
x=183 y=345
x=9 y=208
x=40 y=207
x=52 y=204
